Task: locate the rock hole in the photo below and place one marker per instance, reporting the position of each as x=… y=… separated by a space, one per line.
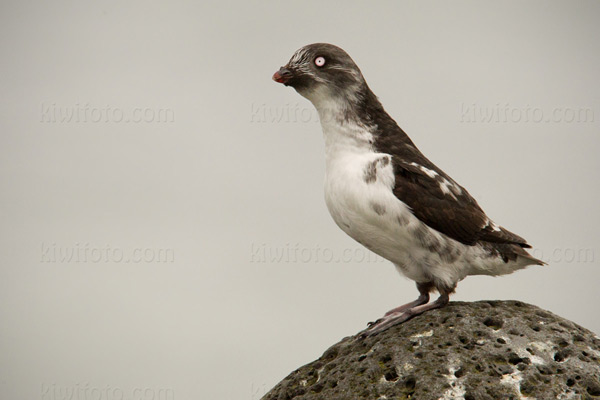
x=493 y=323
x=391 y=375
x=544 y=370
x=560 y=356
x=514 y=359
x=330 y=353
x=317 y=388
x=410 y=383
x=593 y=389
x=386 y=358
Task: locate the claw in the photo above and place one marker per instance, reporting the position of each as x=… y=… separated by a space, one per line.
x=370 y=324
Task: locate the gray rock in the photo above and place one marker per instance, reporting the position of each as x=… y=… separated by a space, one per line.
x=471 y=351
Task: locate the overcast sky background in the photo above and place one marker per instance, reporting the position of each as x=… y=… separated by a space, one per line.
x=219 y=168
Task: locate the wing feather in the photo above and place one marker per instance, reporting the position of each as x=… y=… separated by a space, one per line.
x=445 y=206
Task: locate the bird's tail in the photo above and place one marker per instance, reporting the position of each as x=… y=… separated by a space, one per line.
x=532 y=260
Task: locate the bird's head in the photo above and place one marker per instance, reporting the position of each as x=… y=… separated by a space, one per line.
x=322 y=72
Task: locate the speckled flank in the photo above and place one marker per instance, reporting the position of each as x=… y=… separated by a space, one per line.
x=378 y=208
x=431 y=242
x=402 y=219
x=370 y=172
x=483 y=350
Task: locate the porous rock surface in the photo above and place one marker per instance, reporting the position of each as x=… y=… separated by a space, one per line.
x=482 y=350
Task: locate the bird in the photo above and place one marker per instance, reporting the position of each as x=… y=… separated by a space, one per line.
x=385 y=194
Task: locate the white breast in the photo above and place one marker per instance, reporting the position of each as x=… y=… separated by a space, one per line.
x=358 y=194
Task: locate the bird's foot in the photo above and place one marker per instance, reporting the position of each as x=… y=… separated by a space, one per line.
x=400 y=315
x=389 y=320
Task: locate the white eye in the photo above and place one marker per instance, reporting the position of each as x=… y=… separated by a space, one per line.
x=320 y=61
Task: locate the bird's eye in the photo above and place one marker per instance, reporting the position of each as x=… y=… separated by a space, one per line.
x=320 y=61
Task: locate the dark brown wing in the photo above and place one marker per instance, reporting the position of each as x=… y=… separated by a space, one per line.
x=445 y=206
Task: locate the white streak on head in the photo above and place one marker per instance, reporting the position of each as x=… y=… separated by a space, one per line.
x=299 y=57
x=300 y=62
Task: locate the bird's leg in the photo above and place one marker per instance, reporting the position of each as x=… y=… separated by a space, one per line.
x=405 y=314
x=424 y=289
